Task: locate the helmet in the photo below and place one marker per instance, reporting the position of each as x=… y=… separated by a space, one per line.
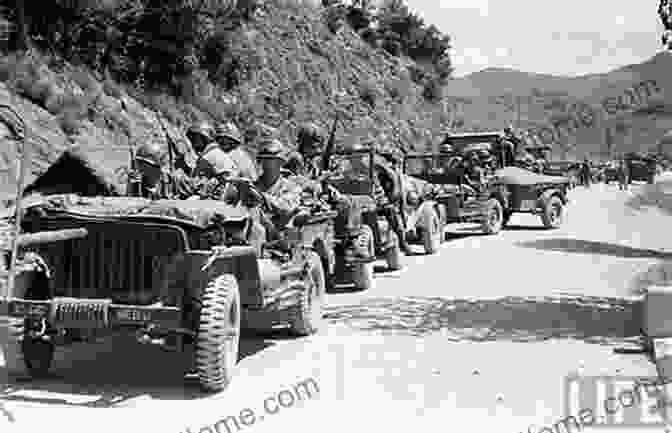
x=273 y=148
x=294 y=159
x=151 y=153
x=310 y=132
x=203 y=129
x=483 y=154
x=229 y=130
x=355 y=147
x=446 y=148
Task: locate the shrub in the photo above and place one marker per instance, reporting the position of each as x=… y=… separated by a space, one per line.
x=368 y=92
x=69 y=122
x=433 y=90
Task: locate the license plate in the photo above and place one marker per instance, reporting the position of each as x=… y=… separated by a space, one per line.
x=134 y=315
x=529 y=204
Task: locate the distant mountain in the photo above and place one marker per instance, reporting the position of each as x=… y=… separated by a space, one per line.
x=577 y=115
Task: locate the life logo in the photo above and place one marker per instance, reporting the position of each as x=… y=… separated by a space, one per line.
x=618 y=400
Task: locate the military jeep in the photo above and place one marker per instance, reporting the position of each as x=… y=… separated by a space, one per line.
x=506 y=190
x=451 y=199
x=173 y=273
x=362 y=233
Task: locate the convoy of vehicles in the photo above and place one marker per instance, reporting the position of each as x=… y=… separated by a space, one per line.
x=185 y=274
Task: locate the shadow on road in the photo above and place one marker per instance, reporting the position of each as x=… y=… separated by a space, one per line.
x=125 y=372
x=658 y=195
x=580 y=246
x=523 y=319
x=517 y=228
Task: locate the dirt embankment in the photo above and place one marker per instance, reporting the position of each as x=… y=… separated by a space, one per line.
x=295 y=70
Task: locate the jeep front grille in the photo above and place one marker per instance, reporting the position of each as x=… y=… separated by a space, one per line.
x=118 y=260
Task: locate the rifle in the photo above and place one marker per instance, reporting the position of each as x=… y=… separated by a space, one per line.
x=330 y=145
x=171 y=159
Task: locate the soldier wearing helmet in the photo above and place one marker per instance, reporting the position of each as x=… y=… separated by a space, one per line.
x=310 y=140
x=156 y=180
x=230 y=139
x=281 y=194
x=212 y=160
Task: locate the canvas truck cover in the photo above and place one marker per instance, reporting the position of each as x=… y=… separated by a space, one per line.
x=519 y=176
x=195 y=213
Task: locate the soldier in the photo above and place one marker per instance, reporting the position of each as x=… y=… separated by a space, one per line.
x=156 y=182
x=473 y=175
x=282 y=195
x=229 y=137
x=212 y=160
x=310 y=139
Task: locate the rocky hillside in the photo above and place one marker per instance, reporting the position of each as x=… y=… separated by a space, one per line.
x=292 y=66
x=621 y=110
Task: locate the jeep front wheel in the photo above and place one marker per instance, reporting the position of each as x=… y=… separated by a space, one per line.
x=307 y=317
x=493 y=217
x=553 y=213
x=393 y=254
x=431 y=235
x=218 y=333
x=362 y=276
x=38 y=355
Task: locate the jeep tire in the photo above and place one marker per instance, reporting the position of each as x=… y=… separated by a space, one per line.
x=431 y=235
x=362 y=276
x=553 y=213
x=218 y=334
x=393 y=254
x=306 y=317
x=493 y=217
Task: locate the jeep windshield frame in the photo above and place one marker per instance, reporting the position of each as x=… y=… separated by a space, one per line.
x=433 y=171
x=357 y=179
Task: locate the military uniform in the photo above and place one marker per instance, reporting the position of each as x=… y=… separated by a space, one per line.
x=173 y=185
x=282 y=195
x=214 y=161
x=230 y=138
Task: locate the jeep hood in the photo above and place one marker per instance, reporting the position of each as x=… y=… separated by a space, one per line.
x=198 y=213
x=519 y=176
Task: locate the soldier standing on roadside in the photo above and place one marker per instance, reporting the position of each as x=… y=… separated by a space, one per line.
x=230 y=139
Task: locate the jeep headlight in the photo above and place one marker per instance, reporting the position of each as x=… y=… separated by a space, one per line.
x=662 y=348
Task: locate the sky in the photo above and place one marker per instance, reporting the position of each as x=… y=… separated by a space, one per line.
x=568 y=37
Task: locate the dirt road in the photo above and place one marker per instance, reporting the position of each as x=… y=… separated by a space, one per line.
x=479 y=336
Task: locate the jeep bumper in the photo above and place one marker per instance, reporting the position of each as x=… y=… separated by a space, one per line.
x=76 y=313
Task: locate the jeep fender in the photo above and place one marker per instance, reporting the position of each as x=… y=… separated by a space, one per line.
x=188 y=273
x=553 y=192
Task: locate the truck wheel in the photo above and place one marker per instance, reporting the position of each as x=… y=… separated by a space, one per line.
x=362 y=276
x=493 y=217
x=218 y=333
x=37 y=355
x=553 y=213
x=307 y=317
x=431 y=235
x=393 y=255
